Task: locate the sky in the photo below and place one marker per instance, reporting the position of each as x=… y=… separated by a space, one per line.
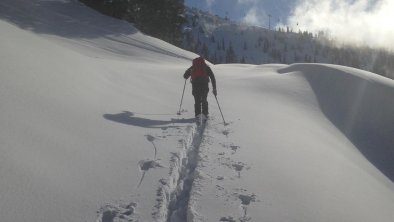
x=357 y=22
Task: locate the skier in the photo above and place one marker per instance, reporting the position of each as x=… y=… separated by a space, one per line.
x=200 y=74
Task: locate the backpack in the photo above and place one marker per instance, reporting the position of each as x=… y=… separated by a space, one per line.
x=199 y=68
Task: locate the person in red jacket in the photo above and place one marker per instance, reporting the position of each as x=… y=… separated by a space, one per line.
x=200 y=74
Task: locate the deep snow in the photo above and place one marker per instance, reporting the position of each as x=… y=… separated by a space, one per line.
x=89 y=130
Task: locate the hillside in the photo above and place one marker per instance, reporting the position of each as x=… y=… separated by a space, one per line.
x=89 y=130
x=224 y=41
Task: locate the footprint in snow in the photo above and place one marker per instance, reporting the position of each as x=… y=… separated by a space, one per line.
x=129 y=209
x=151 y=139
x=145 y=165
x=110 y=213
x=226 y=132
x=238 y=167
x=227 y=219
x=245 y=201
x=231 y=146
x=234 y=148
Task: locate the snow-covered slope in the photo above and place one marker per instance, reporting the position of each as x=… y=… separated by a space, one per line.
x=68 y=74
x=89 y=130
x=307 y=143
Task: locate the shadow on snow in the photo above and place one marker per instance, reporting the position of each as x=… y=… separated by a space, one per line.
x=53 y=18
x=129 y=118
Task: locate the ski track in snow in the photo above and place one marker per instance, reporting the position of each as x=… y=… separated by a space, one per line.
x=173 y=193
x=176 y=195
x=182 y=176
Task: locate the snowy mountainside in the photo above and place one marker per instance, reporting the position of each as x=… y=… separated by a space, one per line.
x=89 y=130
x=215 y=38
x=224 y=41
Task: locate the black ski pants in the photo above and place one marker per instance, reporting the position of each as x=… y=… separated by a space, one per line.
x=200 y=93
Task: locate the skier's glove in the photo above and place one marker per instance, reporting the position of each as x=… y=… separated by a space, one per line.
x=214 y=92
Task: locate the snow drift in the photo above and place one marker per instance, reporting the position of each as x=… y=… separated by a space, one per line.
x=357 y=104
x=89 y=130
x=286 y=156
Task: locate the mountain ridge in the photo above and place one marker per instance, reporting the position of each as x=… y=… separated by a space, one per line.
x=224 y=41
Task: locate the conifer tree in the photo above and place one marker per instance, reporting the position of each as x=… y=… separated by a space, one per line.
x=230 y=55
x=159 y=18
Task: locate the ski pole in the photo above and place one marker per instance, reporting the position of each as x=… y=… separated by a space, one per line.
x=180 y=106
x=224 y=122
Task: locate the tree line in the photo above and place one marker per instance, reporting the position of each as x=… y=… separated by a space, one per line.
x=259 y=46
x=159 y=18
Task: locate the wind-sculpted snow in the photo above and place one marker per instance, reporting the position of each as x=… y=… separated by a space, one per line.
x=359 y=104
